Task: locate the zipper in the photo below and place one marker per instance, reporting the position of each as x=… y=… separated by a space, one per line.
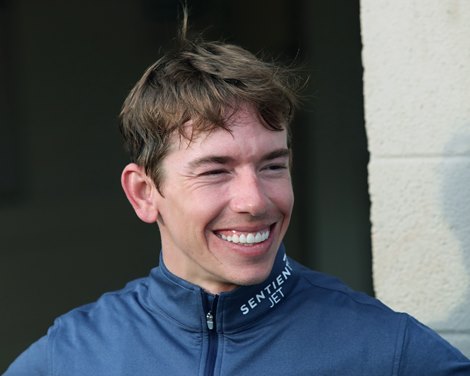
x=210 y=320
x=211 y=308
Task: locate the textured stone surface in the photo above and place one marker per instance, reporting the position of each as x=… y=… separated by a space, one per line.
x=416 y=57
x=416 y=60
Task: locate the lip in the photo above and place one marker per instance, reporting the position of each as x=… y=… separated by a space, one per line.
x=251 y=228
x=251 y=250
x=244 y=229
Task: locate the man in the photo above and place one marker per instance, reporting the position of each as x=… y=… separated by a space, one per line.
x=207 y=129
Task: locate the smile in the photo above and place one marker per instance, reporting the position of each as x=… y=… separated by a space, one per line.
x=246 y=238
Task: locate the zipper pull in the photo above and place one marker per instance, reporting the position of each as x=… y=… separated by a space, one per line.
x=210 y=320
x=211 y=305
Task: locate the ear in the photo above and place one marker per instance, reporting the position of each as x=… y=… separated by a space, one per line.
x=140 y=191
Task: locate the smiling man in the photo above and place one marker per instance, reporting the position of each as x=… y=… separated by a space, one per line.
x=207 y=130
x=223 y=203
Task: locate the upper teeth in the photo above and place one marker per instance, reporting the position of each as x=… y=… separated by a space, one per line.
x=249 y=238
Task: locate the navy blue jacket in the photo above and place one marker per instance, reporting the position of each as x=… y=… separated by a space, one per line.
x=299 y=322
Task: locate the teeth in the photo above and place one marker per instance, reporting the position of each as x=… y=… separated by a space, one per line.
x=249 y=238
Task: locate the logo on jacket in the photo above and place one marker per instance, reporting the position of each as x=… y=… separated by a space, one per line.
x=272 y=291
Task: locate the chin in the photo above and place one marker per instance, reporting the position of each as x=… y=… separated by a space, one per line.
x=249 y=279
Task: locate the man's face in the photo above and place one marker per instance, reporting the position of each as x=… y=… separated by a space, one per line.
x=226 y=204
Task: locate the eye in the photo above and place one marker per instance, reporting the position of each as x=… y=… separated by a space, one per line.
x=275 y=167
x=213 y=172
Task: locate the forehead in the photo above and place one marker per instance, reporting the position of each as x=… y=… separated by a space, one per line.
x=246 y=133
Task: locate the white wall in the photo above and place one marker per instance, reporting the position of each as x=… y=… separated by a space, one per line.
x=416 y=56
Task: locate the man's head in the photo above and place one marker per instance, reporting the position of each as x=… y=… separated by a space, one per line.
x=207 y=130
x=203 y=82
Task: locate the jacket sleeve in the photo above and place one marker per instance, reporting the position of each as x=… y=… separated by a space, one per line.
x=424 y=352
x=32 y=362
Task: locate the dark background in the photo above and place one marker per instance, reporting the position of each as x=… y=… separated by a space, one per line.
x=67 y=233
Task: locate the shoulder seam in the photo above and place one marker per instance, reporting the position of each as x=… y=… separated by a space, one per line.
x=51 y=345
x=350 y=295
x=400 y=343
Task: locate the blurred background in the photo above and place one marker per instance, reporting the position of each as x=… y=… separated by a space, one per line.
x=67 y=232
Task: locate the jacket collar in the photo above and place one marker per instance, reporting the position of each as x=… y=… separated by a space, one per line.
x=186 y=303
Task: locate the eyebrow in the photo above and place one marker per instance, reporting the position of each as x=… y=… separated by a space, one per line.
x=223 y=159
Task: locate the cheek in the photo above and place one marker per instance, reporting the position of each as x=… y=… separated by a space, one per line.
x=283 y=197
x=288 y=203
x=200 y=211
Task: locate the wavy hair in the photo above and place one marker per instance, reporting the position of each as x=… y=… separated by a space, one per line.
x=205 y=82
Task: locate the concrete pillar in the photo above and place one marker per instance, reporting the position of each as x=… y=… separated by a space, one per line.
x=416 y=56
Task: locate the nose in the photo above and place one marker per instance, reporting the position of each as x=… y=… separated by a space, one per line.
x=248 y=195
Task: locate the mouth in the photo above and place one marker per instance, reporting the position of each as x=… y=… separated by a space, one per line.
x=244 y=237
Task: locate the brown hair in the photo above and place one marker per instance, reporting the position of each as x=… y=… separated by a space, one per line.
x=204 y=82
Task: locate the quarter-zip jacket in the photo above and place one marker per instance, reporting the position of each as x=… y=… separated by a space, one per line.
x=298 y=322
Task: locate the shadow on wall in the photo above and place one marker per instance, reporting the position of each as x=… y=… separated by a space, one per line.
x=455 y=205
